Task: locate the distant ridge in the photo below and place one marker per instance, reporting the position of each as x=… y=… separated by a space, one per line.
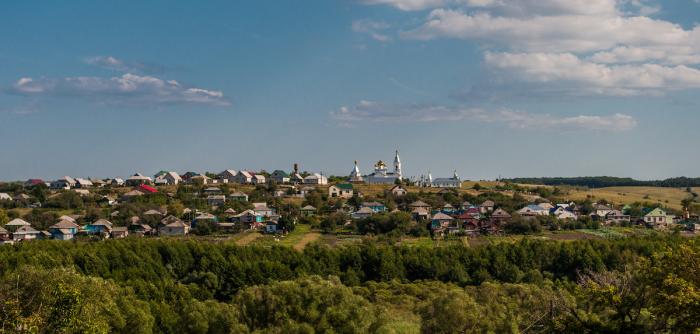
x=607 y=181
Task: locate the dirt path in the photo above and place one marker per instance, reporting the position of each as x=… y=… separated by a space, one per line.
x=307 y=239
x=248 y=238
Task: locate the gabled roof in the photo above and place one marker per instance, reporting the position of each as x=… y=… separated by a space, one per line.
x=260 y=206
x=442 y=216
x=64 y=224
x=245 y=173
x=280 y=173
x=488 y=203
x=153 y=212
x=372 y=204
x=102 y=222
x=238 y=194
x=500 y=213
x=139 y=176
x=309 y=207
x=344 y=186
x=656 y=212
x=419 y=204
x=365 y=209
x=17 y=222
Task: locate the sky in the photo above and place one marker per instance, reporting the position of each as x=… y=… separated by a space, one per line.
x=486 y=87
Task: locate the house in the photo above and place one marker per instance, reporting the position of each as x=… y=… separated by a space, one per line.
x=216 y=200
x=546 y=206
x=101 y=227
x=117 y=182
x=98 y=183
x=168 y=178
x=238 y=196
x=212 y=191
x=262 y=209
x=137 y=180
x=259 y=179
x=616 y=216
x=33 y=182
x=230 y=212
x=465 y=205
x=440 y=221
x=243 y=177
x=15 y=224
x=65 y=182
x=470 y=218
x=139 y=229
x=83 y=183
x=4 y=234
x=364 y=212
x=316 y=178
x=64 y=230
x=601 y=210
x=419 y=204
x=205 y=217
x=227 y=176
x=448 y=209
x=341 y=190
x=119 y=232
x=5 y=197
x=271 y=227
x=420 y=214
x=296 y=178
x=201 y=180
x=486 y=206
x=658 y=218
x=533 y=210
x=175 y=228
x=562 y=214
x=398 y=190
x=280 y=176
x=500 y=216
x=248 y=217
x=25 y=233
x=375 y=206
x=450 y=182
x=308 y=211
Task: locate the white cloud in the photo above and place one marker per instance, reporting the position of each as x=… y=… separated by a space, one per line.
x=372 y=28
x=128 y=88
x=576 y=47
x=368 y=111
x=560 y=33
x=580 y=77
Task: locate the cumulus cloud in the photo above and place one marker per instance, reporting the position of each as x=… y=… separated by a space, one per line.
x=594 y=47
x=128 y=88
x=369 y=111
x=372 y=28
x=569 y=72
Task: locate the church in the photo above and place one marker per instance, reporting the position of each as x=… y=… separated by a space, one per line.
x=381 y=174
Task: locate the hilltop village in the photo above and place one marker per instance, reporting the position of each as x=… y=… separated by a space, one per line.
x=382 y=202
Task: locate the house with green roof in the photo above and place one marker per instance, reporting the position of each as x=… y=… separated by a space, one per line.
x=341 y=190
x=658 y=218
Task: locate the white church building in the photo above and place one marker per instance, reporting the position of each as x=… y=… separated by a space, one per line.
x=381 y=174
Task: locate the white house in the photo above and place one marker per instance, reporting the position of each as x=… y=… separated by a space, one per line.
x=316 y=178
x=398 y=191
x=243 y=177
x=169 y=178
x=342 y=190
x=65 y=182
x=5 y=197
x=533 y=210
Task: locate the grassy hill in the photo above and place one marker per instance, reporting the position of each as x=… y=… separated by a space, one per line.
x=670 y=197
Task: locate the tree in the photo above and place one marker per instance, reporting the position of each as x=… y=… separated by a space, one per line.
x=4 y=219
x=450 y=312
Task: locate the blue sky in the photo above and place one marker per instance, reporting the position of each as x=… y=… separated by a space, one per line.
x=487 y=87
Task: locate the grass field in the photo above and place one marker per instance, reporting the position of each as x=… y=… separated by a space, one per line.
x=670 y=197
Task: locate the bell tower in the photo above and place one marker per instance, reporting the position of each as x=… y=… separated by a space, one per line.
x=397 y=165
